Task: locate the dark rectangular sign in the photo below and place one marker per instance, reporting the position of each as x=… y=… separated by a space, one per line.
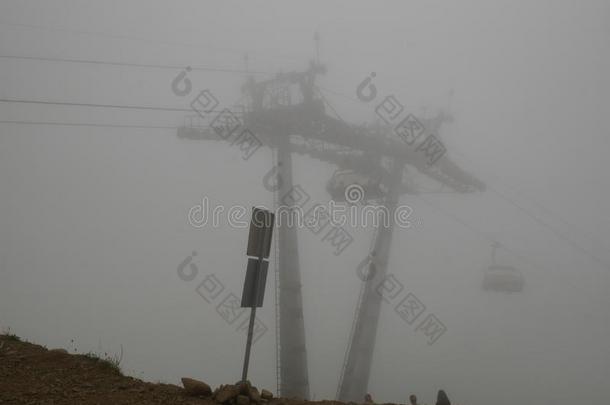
x=261 y=230
x=254 y=285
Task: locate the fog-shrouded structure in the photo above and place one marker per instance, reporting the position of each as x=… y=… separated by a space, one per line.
x=288 y=114
x=100 y=200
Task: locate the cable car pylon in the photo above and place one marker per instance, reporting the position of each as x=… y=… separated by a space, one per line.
x=288 y=115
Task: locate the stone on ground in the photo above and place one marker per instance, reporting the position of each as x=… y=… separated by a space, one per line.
x=242 y=400
x=226 y=393
x=196 y=388
x=265 y=394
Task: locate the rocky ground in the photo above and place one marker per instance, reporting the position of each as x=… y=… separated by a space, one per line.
x=32 y=374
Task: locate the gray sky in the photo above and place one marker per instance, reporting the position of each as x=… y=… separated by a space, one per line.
x=93 y=220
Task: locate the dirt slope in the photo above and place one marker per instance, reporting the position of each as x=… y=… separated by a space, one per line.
x=31 y=374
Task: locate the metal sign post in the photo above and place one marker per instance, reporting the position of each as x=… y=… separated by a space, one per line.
x=259 y=245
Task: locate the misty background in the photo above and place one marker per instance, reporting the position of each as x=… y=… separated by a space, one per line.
x=93 y=219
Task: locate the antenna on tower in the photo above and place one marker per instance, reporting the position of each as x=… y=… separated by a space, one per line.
x=316 y=38
x=450 y=100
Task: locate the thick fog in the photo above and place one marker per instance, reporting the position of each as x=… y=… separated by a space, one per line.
x=95 y=195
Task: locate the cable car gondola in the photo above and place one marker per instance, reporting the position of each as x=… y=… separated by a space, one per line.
x=500 y=277
x=372 y=189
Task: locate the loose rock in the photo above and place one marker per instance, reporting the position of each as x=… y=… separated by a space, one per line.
x=196 y=388
x=266 y=394
x=226 y=393
x=242 y=400
x=254 y=395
